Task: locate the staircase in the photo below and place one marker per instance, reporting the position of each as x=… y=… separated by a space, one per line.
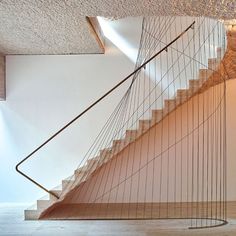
x=85 y=172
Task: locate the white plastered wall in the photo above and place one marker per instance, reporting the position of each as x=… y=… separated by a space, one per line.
x=43 y=94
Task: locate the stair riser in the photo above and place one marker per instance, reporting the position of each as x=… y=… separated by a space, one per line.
x=170 y=105
x=213 y=63
x=104 y=156
x=52 y=197
x=156 y=117
x=203 y=75
x=116 y=148
x=192 y=91
x=92 y=163
x=43 y=204
x=32 y=214
x=81 y=178
x=193 y=84
x=66 y=184
x=144 y=126
x=219 y=53
x=182 y=99
x=142 y=130
x=185 y=92
x=130 y=136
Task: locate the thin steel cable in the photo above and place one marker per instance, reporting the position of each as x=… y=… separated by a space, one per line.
x=129 y=121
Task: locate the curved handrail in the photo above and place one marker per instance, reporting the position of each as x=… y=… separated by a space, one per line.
x=88 y=108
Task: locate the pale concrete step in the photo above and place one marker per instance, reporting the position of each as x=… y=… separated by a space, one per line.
x=219 y=53
x=93 y=162
x=194 y=85
x=92 y=165
x=169 y=105
x=182 y=93
x=43 y=204
x=118 y=145
x=203 y=75
x=76 y=179
x=144 y=125
x=32 y=213
x=67 y=183
x=157 y=116
x=58 y=193
x=81 y=176
x=182 y=99
x=105 y=154
x=80 y=171
x=213 y=63
x=131 y=135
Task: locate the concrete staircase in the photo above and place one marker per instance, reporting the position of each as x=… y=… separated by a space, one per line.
x=83 y=173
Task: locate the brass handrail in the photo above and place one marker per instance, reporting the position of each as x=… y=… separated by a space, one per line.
x=88 y=108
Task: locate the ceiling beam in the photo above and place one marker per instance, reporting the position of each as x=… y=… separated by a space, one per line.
x=96 y=31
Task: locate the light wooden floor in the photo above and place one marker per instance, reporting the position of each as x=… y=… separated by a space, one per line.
x=12 y=223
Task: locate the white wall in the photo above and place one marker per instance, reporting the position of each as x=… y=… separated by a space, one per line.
x=43 y=94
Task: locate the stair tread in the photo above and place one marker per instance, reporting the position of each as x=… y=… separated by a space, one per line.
x=32 y=207
x=44 y=198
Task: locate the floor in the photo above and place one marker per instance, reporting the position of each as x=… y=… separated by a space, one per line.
x=91 y=211
x=12 y=223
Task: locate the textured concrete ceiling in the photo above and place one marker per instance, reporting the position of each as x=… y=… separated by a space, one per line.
x=60 y=26
x=44 y=27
